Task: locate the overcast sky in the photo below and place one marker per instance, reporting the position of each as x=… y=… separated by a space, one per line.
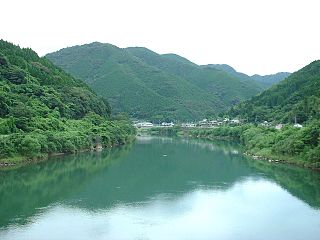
x=253 y=36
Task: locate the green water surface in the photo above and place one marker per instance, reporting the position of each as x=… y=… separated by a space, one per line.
x=159 y=188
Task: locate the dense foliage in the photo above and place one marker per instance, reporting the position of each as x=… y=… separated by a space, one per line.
x=296 y=97
x=263 y=82
x=151 y=86
x=269 y=80
x=296 y=145
x=44 y=110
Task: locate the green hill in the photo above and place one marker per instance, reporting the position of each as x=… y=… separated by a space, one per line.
x=268 y=80
x=44 y=110
x=152 y=86
x=231 y=71
x=227 y=88
x=296 y=97
x=262 y=82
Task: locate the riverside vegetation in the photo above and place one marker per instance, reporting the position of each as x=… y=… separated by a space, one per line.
x=295 y=99
x=44 y=110
x=299 y=146
x=156 y=87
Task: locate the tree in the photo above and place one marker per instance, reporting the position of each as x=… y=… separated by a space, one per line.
x=30 y=147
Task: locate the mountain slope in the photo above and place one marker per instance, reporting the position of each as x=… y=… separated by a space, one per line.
x=231 y=71
x=296 y=97
x=133 y=86
x=268 y=80
x=44 y=110
x=215 y=82
x=262 y=82
x=152 y=86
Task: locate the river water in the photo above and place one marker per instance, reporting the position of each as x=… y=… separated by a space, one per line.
x=159 y=188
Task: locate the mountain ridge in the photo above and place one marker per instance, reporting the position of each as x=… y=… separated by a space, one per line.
x=152 y=86
x=268 y=80
x=44 y=110
x=296 y=98
x=263 y=81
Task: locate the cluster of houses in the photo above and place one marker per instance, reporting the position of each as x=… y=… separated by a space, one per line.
x=205 y=123
x=151 y=125
x=214 y=123
x=143 y=125
x=279 y=126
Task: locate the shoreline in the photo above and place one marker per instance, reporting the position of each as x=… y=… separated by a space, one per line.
x=270 y=159
x=23 y=161
x=281 y=161
x=254 y=156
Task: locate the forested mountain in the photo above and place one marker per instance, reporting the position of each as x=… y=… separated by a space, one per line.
x=153 y=86
x=229 y=89
x=296 y=97
x=263 y=82
x=268 y=80
x=44 y=110
x=231 y=71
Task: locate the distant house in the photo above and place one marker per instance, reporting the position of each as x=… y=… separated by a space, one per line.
x=166 y=124
x=213 y=122
x=266 y=124
x=279 y=126
x=203 y=123
x=235 y=121
x=143 y=125
x=297 y=125
x=188 y=125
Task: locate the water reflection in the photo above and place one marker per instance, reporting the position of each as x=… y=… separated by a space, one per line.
x=160 y=185
x=239 y=213
x=25 y=191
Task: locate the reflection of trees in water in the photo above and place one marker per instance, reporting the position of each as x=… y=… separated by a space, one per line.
x=226 y=146
x=166 y=165
x=301 y=183
x=99 y=181
x=24 y=190
x=154 y=139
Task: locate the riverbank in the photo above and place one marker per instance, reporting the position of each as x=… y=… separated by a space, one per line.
x=281 y=159
x=289 y=145
x=19 y=160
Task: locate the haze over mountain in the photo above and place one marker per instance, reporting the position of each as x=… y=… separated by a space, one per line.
x=152 y=86
x=268 y=80
x=295 y=98
x=262 y=81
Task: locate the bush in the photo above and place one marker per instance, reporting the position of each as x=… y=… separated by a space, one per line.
x=30 y=147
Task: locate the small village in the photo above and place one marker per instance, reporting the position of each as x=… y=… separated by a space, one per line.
x=205 y=123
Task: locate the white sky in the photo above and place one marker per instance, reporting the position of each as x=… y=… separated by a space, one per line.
x=253 y=36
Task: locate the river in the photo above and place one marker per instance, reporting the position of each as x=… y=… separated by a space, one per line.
x=159 y=188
